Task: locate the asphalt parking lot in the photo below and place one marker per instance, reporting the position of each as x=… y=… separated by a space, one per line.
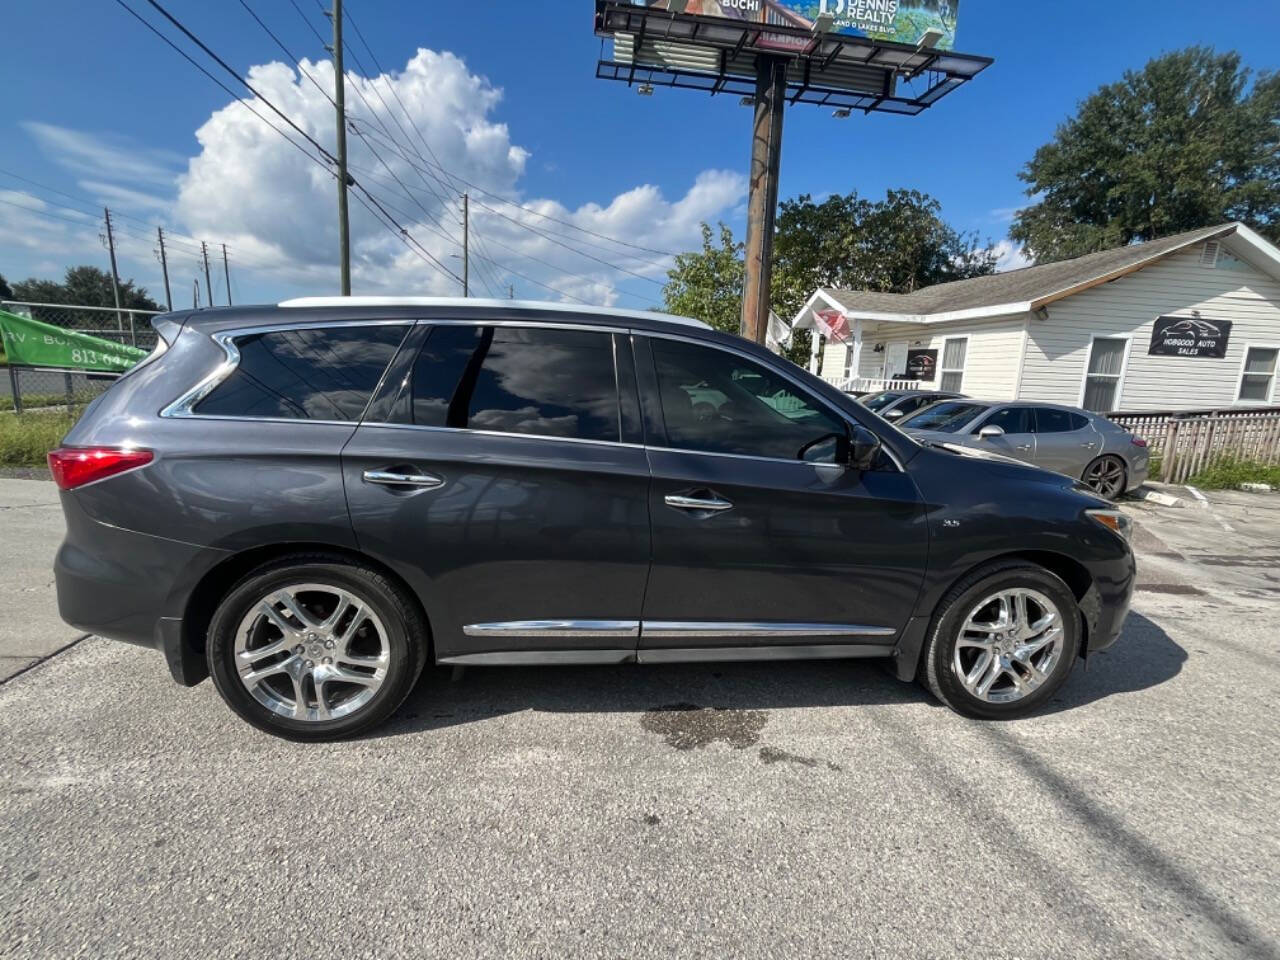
x=771 y=810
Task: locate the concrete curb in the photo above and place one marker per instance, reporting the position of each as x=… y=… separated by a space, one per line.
x=1155 y=496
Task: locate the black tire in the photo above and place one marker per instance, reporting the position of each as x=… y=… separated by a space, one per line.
x=406 y=631
x=939 y=672
x=1109 y=489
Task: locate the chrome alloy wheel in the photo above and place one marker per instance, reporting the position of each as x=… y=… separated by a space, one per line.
x=311 y=652
x=1105 y=477
x=1009 y=644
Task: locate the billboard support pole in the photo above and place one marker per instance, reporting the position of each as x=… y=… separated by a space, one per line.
x=762 y=197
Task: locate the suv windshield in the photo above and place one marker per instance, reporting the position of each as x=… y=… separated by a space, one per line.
x=947 y=417
x=878 y=401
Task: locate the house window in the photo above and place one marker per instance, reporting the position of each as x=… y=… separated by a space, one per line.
x=849 y=372
x=1102 y=379
x=953 y=352
x=1259 y=374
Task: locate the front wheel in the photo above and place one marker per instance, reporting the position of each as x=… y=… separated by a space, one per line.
x=314 y=648
x=1003 y=641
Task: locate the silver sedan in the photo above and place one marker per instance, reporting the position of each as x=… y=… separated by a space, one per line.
x=1066 y=440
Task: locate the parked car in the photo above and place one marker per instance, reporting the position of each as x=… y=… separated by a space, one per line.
x=897 y=404
x=310 y=501
x=1105 y=456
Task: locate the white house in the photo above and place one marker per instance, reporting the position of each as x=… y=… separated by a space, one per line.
x=1185 y=322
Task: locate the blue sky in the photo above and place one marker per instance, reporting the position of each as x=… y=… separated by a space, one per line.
x=94 y=105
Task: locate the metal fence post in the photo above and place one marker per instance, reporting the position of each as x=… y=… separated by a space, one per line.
x=66 y=380
x=17 y=393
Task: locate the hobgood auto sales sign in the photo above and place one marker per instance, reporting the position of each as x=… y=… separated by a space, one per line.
x=1189 y=337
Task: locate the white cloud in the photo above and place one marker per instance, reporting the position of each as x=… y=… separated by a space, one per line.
x=277 y=208
x=1010 y=256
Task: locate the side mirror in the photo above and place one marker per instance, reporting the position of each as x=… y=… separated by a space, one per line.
x=894 y=415
x=990 y=432
x=864 y=446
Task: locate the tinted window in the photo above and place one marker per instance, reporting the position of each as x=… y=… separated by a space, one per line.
x=1011 y=420
x=948 y=416
x=719 y=402
x=912 y=404
x=552 y=383
x=1049 y=420
x=878 y=401
x=318 y=374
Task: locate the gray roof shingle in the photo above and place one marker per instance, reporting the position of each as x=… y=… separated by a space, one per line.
x=1025 y=285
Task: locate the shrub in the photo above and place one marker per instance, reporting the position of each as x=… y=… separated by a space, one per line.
x=1228 y=473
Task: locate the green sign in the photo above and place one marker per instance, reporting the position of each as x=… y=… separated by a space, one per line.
x=30 y=343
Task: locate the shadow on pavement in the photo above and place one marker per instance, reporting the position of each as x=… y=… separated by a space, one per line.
x=1144 y=656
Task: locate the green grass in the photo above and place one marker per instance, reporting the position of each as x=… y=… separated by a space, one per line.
x=1228 y=473
x=26 y=438
x=31 y=401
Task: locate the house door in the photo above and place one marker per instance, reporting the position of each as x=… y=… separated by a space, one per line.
x=895 y=360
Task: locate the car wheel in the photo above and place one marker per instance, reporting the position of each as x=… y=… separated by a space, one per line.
x=1105 y=477
x=315 y=648
x=1002 y=641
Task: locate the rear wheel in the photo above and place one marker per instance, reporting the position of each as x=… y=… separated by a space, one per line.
x=313 y=648
x=1106 y=477
x=1003 y=641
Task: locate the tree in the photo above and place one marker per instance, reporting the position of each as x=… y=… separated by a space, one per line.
x=5 y=292
x=1185 y=142
x=708 y=285
x=84 y=286
x=894 y=245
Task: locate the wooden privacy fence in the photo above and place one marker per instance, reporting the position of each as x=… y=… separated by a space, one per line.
x=1187 y=443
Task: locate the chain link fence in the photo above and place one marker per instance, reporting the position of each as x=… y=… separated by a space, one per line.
x=26 y=388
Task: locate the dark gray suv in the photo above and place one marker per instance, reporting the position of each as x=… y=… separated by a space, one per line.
x=311 y=501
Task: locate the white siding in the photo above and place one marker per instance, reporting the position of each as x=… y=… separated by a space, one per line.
x=991 y=358
x=1058 y=348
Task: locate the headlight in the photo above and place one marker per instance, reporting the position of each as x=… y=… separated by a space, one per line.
x=1113 y=520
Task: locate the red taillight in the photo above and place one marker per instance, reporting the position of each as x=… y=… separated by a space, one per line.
x=75 y=466
x=1137 y=441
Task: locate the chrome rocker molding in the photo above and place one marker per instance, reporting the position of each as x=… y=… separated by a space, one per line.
x=669 y=629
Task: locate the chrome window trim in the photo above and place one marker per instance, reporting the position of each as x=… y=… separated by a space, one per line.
x=673 y=629
x=533 y=324
x=500 y=433
x=554 y=628
x=184 y=406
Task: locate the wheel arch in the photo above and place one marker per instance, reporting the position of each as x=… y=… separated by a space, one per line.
x=1071 y=571
x=215 y=584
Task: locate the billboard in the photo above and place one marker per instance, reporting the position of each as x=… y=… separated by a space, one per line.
x=897 y=21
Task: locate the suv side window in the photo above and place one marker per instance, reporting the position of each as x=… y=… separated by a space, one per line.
x=1049 y=420
x=530 y=380
x=718 y=402
x=317 y=373
x=1010 y=420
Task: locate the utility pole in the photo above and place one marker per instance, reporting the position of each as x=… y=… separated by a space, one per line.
x=762 y=198
x=164 y=266
x=339 y=102
x=226 y=272
x=466 y=245
x=208 y=284
x=511 y=291
x=115 y=274
x=195 y=293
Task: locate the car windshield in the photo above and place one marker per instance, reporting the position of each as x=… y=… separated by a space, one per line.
x=878 y=401
x=946 y=417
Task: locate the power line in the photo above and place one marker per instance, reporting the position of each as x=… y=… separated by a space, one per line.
x=388 y=222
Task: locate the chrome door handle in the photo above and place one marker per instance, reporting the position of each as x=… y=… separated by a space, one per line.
x=391 y=478
x=1090 y=445
x=681 y=502
x=1024 y=446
